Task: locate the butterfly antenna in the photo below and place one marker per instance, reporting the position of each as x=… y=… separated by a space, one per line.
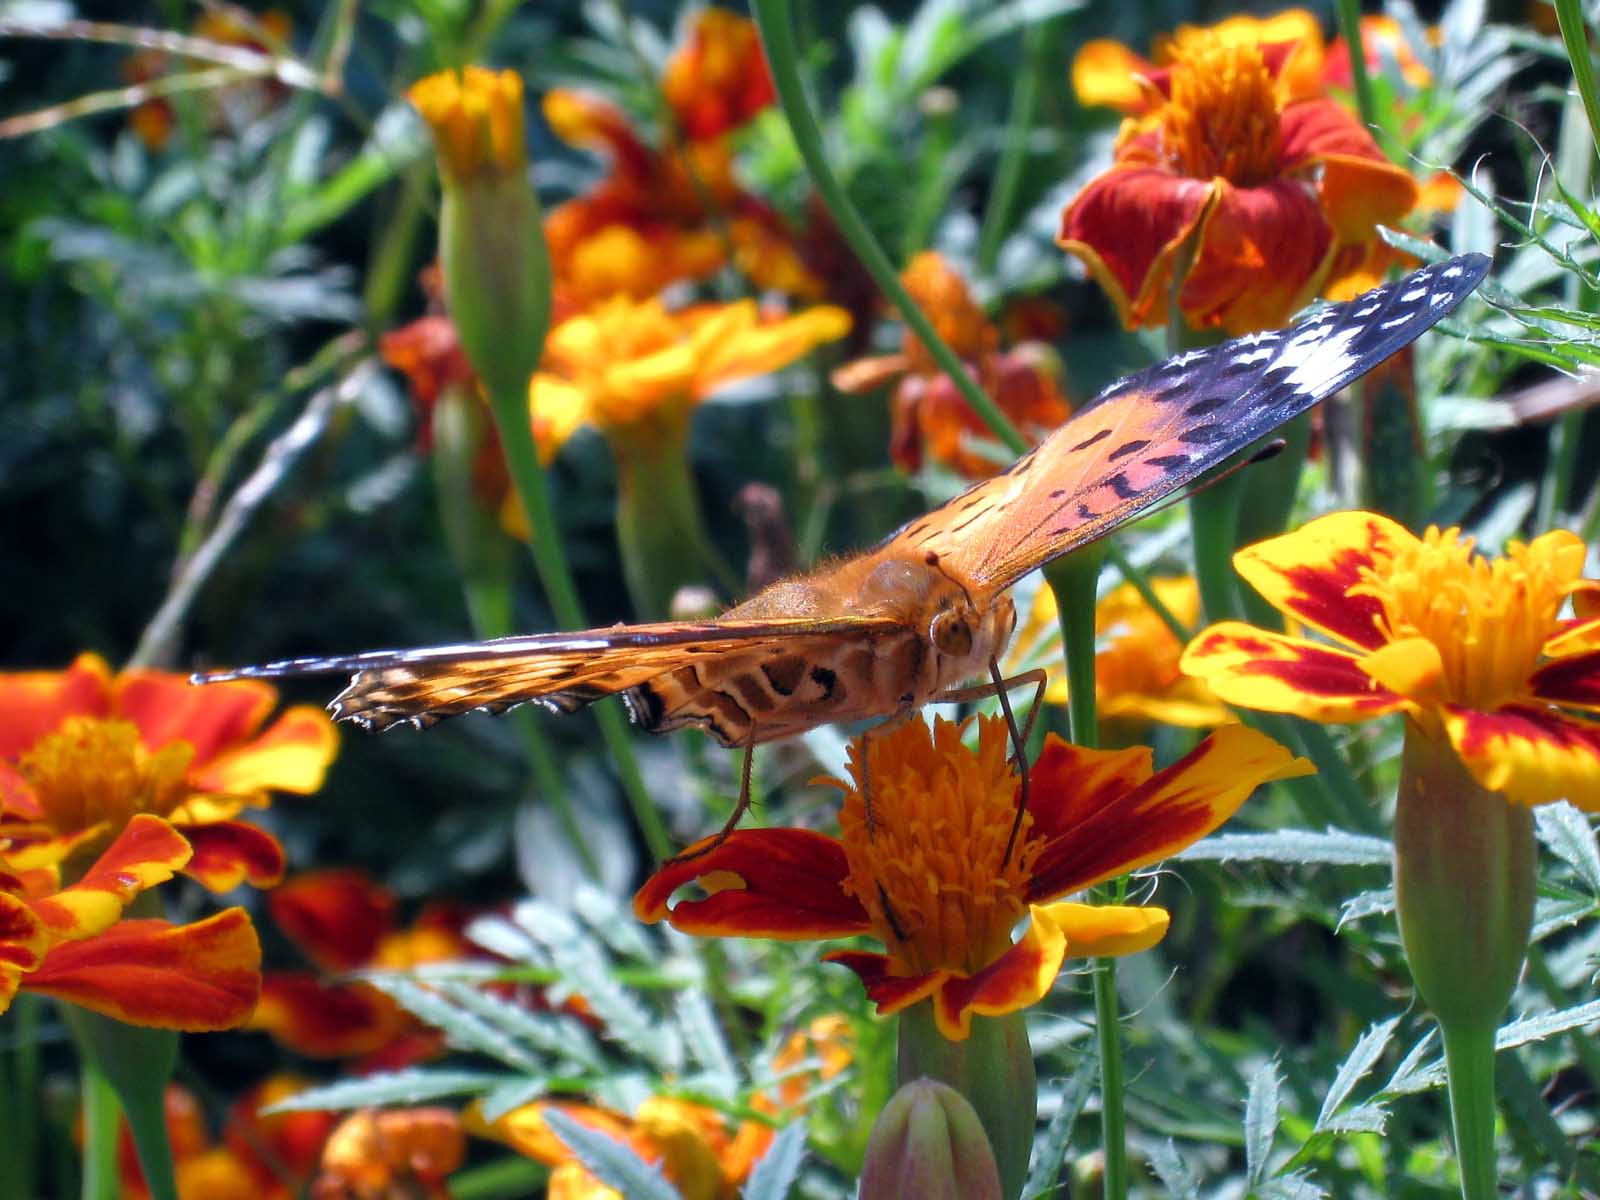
x=933 y=560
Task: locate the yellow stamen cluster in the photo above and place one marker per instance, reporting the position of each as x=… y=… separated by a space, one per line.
x=476 y=117
x=1222 y=119
x=1488 y=619
x=93 y=770
x=928 y=868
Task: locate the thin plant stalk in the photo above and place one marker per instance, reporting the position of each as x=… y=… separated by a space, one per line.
x=1348 y=13
x=1575 y=35
x=1013 y=147
x=100 y=1116
x=1469 y=1062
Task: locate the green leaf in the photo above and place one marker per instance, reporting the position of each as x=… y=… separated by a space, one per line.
x=779 y=1167
x=463 y=1028
x=1260 y=1122
x=1050 y=1151
x=1333 y=847
x=397 y=1087
x=562 y=1037
x=1570 y=837
x=609 y=1161
x=1175 y=1174
x=1361 y=1059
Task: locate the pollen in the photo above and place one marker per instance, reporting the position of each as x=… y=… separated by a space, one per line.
x=929 y=868
x=93 y=770
x=1222 y=118
x=1488 y=618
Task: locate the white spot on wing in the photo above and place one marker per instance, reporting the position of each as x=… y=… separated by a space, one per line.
x=1315 y=359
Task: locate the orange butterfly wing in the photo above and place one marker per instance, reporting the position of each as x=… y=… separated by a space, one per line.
x=562 y=671
x=1149 y=434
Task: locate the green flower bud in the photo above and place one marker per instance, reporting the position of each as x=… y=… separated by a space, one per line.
x=928 y=1143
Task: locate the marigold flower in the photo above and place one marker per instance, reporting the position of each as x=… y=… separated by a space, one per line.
x=1136 y=671
x=718 y=79
x=626 y=367
x=672 y=201
x=82 y=752
x=930 y=415
x=1472 y=650
x=1263 y=191
x=476 y=117
x=689 y=1142
x=72 y=943
x=376 y=1154
x=932 y=880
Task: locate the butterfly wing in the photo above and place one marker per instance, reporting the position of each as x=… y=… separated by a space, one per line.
x=1149 y=434
x=562 y=671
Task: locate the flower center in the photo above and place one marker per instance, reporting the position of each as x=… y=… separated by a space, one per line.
x=92 y=770
x=1222 y=118
x=929 y=870
x=1489 y=619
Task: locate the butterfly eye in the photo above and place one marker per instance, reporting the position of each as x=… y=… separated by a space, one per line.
x=951 y=633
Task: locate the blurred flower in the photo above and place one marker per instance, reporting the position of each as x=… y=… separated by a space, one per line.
x=385 y=1154
x=718 y=79
x=73 y=943
x=476 y=117
x=83 y=752
x=930 y=415
x=1136 y=659
x=343 y=921
x=932 y=879
x=231 y=107
x=1260 y=190
x=1384 y=41
x=630 y=367
x=660 y=215
x=1472 y=650
x=929 y=1143
x=690 y=1143
x=259 y=1157
x=1362 y=266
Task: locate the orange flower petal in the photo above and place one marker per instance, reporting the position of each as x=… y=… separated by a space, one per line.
x=228 y=853
x=336 y=917
x=1263 y=252
x=1128 y=226
x=292 y=755
x=1531 y=755
x=1308 y=573
x=890 y=991
x=23 y=936
x=1360 y=188
x=320 y=1020
x=868 y=374
x=34 y=703
x=147 y=852
x=527 y=1132
x=1021 y=976
x=1070 y=783
x=1581 y=634
x=1573 y=681
x=197 y=977
x=1106 y=73
x=1257 y=668
x=166 y=708
x=1172 y=809
x=1106 y=930
x=773 y=883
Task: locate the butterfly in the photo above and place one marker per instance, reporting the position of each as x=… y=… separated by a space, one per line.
x=906 y=622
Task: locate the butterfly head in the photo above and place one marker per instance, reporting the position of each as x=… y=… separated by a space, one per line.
x=965 y=635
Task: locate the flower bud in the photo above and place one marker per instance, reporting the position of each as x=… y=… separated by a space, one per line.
x=928 y=1143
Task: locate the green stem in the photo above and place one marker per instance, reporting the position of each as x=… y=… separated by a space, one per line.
x=1108 y=1036
x=1013 y=148
x=1214 y=524
x=1349 y=16
x=772 y=17
x=19 y=1102
x=100 y=1114
x=1469 y=1063
x=1575 y=34
x=134 y=1064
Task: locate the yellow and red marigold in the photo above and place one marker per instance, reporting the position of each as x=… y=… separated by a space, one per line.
x=380 y=1154
x=1136 y=672
x=82 y=752
x=930 y=416
x=1474 y=651
x=717 y=80
x=1258 y=192
x=933 y=879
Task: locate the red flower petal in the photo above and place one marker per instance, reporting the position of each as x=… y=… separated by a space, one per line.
x=889 y=991
x=1256 y=668
x=1019 y=977
x=1308 y=573
x=1574 y=680
x=195 y=977
x=228 y=853
x=34 y=703
x=336 y=917
x=23 y=937
x=292 y=755
x=1068 y=784
x=166 y=707
x=1175 y=807
x=1532 y=755
x=146 y=853
x=774 y=883
x=1263 y=253
x=325 y=1021
x=1127 y=226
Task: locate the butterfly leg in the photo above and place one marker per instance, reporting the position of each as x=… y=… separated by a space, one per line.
x=741 y=806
